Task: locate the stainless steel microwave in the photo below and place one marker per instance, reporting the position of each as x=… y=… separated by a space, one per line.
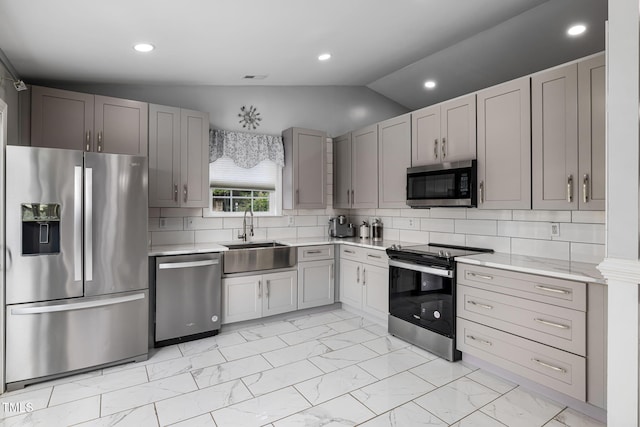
x=445 y=184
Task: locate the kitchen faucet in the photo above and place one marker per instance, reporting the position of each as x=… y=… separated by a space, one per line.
x=243 y=236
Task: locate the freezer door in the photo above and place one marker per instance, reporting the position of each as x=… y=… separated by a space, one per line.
x=54 y=337
x=116 y=256
x=43 y=176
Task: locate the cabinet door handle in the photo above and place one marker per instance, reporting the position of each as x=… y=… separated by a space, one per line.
x=186 y=193
x=547 y=365
x=374 y=256
x=485 y=306
x=297 y=196
x=312 y=252
x=570 y=188
x=266 y=289
x=353 y=197
x=552 y=324
x=364 y=276
x=88 y=140
x=348 y=251
x=554 y=290
x=480 y=276
x=331 y=278
x=358 y=275
x=481 y=341
x=444 y=151
x=175 y=192
x=100 y=142
x=481 y=191
x=435 y=148
x=259 y=288
x=585 y=188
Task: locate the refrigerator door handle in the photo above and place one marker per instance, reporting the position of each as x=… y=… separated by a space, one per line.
x=77 y=223
x=75 y=306
x=88 y=224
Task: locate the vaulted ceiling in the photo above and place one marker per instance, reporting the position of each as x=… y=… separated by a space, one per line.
x=390 y=46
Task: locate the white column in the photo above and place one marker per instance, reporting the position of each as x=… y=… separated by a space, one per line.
x=621 y=268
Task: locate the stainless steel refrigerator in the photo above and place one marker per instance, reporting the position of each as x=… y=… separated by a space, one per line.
x=76 y=267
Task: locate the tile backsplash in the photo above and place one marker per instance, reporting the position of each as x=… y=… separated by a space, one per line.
x=523 y=232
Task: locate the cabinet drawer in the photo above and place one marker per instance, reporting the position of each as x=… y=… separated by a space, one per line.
x=563 y=293
x=314 y=253
x=354 y=253
x=557 y=369
x=376 y=257
x=548 y=324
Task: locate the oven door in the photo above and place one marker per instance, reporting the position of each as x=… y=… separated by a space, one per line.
x=423 y=296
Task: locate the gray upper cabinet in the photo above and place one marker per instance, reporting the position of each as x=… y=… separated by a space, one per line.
x=364 y=167
x=504 y=146
x=568 y=136
x=79 y=121
x=394 y=157
x=305 y=172
x=444 y=132
x=554 y=103
x=342 y=171
x=591 y=133
x=178 y=157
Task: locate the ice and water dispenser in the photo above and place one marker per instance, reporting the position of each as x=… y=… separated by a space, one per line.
x=40 y=228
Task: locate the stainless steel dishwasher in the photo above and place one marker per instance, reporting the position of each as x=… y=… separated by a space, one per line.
x=187 y=297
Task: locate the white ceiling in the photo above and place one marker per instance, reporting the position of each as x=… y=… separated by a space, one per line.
x=380 y=43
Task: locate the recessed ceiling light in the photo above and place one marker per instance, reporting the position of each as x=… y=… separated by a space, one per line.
x=429 y=84
x=324 y=57
x=144 y=47
x=576 y=30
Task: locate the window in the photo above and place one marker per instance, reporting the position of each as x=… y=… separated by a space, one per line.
x=234 y=189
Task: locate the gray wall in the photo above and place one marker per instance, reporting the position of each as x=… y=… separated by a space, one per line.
x=334 y=109
x=9 y=95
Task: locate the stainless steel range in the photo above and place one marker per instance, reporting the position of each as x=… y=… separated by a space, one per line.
x=422 y=295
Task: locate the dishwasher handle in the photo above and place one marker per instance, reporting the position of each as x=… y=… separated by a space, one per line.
x=190 y=264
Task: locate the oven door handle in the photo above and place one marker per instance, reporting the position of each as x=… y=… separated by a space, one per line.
x=421 y=268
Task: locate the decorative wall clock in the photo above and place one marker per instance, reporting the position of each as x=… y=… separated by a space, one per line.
x=249 y=117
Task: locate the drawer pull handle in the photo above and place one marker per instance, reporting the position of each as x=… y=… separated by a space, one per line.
x=480 y=276
x=546 y=365
x=347 y=251
x=374 y=256
x=312 y=252
x=485 y=306
x=554 y=290
x=555 y=325
x=481 y=341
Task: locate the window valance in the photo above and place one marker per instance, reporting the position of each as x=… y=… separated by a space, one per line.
x=245 y=149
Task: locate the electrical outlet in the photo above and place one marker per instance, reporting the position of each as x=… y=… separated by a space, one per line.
x=290 y=220
x=163 y=223
x=189 y=223
x=410 y=222
x=555 y=229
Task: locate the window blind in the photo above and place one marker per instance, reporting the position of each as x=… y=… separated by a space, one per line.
x=223 y=173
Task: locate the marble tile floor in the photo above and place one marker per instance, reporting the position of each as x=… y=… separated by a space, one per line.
x=325 y=368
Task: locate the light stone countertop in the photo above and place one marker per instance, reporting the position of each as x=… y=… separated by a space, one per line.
x=577 y=271
x=185 y=249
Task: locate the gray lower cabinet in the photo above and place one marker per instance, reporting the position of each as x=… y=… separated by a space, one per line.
x=364 y=280
x=304 y=176
x=568 y=136
x=255 y=296
x=316 y=284
x=551 y=331
x=394 y=157
x=504 y=146
x=178 y=157
x=86 y=122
